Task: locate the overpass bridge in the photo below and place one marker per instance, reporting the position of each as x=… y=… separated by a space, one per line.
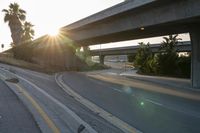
x=181 y=47
x=139 y=19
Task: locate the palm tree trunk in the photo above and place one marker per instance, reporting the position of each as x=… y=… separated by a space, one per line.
x=16 y=31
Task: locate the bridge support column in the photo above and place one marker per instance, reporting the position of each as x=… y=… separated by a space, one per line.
x=101 y=59
x=195 y=42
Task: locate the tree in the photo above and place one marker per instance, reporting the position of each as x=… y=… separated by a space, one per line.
x=169 y=43
x=15 y=16
x=144 y=59
x=28 y=32
x=167 y=57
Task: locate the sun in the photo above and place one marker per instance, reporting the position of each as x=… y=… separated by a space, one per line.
x=53 y=32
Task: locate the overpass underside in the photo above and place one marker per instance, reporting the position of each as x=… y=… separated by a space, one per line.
x=161 y=17
x=154 y=18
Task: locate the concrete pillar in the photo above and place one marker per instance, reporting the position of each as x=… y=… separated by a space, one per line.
x=195 y=42
x=101 y=58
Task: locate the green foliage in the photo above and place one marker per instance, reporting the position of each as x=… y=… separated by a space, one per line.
x=168 y=57
x=131 y=58
x=84 y=55
x=14 y=16
x=184 y=65
x=28 y=32
x=21 y=32
x=144 y=59
x=23 y=52
x=169 y=44
x=165 y=62
x=94 y=66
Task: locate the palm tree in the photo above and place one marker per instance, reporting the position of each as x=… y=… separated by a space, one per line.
x=169 y=43
x=28 y=32
x=15 y=16
x=168 y=57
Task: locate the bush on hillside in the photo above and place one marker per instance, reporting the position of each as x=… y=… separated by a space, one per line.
x=23 y=52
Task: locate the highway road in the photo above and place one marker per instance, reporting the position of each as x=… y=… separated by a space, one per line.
x=147 y=107
x=53 y=101
x=148 y=111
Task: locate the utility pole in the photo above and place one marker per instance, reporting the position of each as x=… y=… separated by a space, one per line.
x=100 y=54
x=2 y=46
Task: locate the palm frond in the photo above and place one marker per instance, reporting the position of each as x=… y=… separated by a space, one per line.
x=22 y=17
x=5 y=10
x=7 y=18
x=11 y=5
x=21 y=11
x=32 y=32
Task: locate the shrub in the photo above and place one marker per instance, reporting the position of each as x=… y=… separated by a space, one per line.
x=184 y=65
x=23 y=52
x=144 y=59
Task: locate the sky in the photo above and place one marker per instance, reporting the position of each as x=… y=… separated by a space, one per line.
x=48 y=16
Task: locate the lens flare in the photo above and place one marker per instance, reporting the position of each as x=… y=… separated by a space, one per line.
x=142 y=103
x=53 y=32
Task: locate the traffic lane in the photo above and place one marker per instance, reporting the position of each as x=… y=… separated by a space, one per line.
x=189 y=107
x=50 y=86
x=14 y=116
x=148 y=117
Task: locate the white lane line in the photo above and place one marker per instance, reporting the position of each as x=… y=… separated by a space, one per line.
x=36 y=75
x=125 y=127
x=116 y=89
x=172 y=108
x=76 y=118
x=100 y=83
x=151 y=101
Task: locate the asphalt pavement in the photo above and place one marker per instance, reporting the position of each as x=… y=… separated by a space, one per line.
x=48 y=84
x=14 y=116
x=150 y=112
x=149 y=107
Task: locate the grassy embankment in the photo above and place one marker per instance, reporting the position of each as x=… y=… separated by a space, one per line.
x=8 y=59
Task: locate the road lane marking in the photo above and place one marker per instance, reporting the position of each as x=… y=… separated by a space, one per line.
x=151 y=101
x=73 y=115
x=49 y=122
x=171 y=108
x=101 y=83
x=125 y=127
x=116 y=89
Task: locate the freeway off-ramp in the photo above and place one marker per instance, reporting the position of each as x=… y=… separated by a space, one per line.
x=143 y=109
